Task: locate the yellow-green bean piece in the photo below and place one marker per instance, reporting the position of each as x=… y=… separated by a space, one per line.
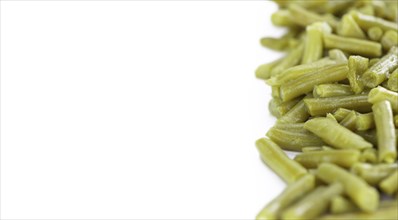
x=338 y=55
x=306 y=83
x=311 y=149
x=291 y=59
x=307 y=17
x=386 y=139
x=343 y=158
x=353 y=45
x=314 y=204
x=373 y=61
x=341 y=113
x=373 y=174
x=363 y=195
x=375 y=33
x=384 y=213
x=348 y=27
x=297 y=113
x=282 y=18
x=379 y=94
x=357 y=65
x=293 y=140
x=368 y=156
x=366 y=22
x=340 y=204
x=364 y=121
x=279 y=108
x=379 y=72
x=289 y=170
x=264 y=70
x=390 y=184
x=340 y=137
x=322 y=106
x=329 y=90
x=313 y=41
x=350 y=121
x=389 y=39
x=392 y=83
x=278 y=44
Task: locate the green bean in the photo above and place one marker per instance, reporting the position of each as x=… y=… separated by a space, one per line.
x=299 y=127
x=293 y=89
x=375 y=33
x=388 y=213
x=369 y=135
x=341 y=137
x=368 y=155
x=344 y=158
x=357 y=65
x=337 y=55
x=278 y=44
x=289 y=60
x=293 y=140
x=264 y=70
x=289 y=170
x=350 y=121
x=390 y=184
x=373 y=174
x=279 y=108
x=314 y=204
x=363 y=195
x=330 y=116
x=349 y=28
x=321 y=106
x=379 y=94
x=389 y=39
x=329 y=90
x=366 y=22
x=340 y=204
x=291 y=194
x=275 y=93
x=386 y=139
x=313 y=41
x=373 y=61
x=308 y=17
x=341 y=113
x=311 y=149
x=392 y=83
x=364 y=122
x=297 y=113
x=282 y=18
x=377 y=73
x=352 y=45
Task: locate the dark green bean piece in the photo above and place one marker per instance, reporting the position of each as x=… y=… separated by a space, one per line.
x=373 y=174
x=306 y=83
x=293 y=140
x=348 y=27
x=364 y=122
x=386 y=140
x=291 y=194
x=380 y=94
x=363 y=195
x=321 y=106
x=379 y=72
x=352 y=45
x=289 y=170
x=344 y=158
x=313 y=41
x=389 y=39
x=350 y=121
x=296 y=114
x=341 y=113
x=390 y=184
x=366 y=22
x=329 y=90
x=357 y=65
x=392 y=83
x=340 y=204
x=314 y=204
x=341 y=137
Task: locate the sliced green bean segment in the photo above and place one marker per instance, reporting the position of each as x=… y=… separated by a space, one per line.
x=375 y=33
x=380 y=94
x=392 y=83
x=292 y=59
x=291 y=194
x=311 y=149
x=321 y=106
x=373 y=174
x=363 y=195
x=314 y=204
x=343 y=158
x=350 y=121
x=313 y=42
x=330 y=90
x=386 y=139
x=307 y=17
x=366 y=22
x=293 y=140
x=364 y=122
x=390 y=39
x=337 y=55
x=340 y=204
x=348 y=27
x=390 y=184
x=264 y=71
x=353 y=45
x=279 y=108
x=388 y=213
x=297 y=113
x=341 y=137
x=306 y=83
x=282 y=18
x=379 y=72
x=289 y=170
x=357 y=65
x=369 y=155
x=341 y=113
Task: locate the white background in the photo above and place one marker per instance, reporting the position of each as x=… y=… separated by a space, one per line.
x=134 y=109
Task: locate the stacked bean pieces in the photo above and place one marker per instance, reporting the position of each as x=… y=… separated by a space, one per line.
x=335 y=94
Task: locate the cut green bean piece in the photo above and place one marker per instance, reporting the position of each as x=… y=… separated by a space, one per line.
x=282 y=18
x=369 y=135
x=293 y=140
x=366 y=22
x=379 y=72
x=392 y=83
x=299 y=127
x=352 y=45
x=306 y=83
x=278 y=44
x=330 y=116
x=311 y=149
x=386 y=140
x=373 y=174
x=275 y=93
x=364 y=122
x=341 y=113
x=322 y=106
x=341 y=137
x=373 y=61
x=337 y=55
x=363 y=195
x=340 y=204
x=291 y=59
x=307 y=17
x=357 y=65
x=387 y=213
x=379 y=94
x=313 y=41
x=389 y=39
x=279 y=108
x=375 y=33
x=297 y=113
x=350 y=121
x=368 y=156
x=390 y=184
x=349 y=28
x=314 y=204
x=291 y=194
x=343 y=158
x=329 y=90
x=264 y=71
x=289 y=170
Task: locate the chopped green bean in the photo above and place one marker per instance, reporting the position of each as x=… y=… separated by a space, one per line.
x=364 y=122
x=344 y=158
x=293 y=140
x=337 y=55
x=390 y=184
x=348 y=27
x=389 y=39
x=350 y=121
x=379 y=94
x=311 y=149
x=340 y=204
x=368 y=155
x=357 y=65
x=392 y=83
x=297 y=113
x=282 y=18
x=321 y=106
x=313 y=42
x=279 y=108
x=373 y=174
x=352 y=45
x=341 y=113
x=264 y=71
x=369 y=135
x=307 y=17
x=329 y=90
x=367 y=21
x=293 y=58
x=375 y=33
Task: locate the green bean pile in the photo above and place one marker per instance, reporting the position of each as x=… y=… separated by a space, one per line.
x=335 y=95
